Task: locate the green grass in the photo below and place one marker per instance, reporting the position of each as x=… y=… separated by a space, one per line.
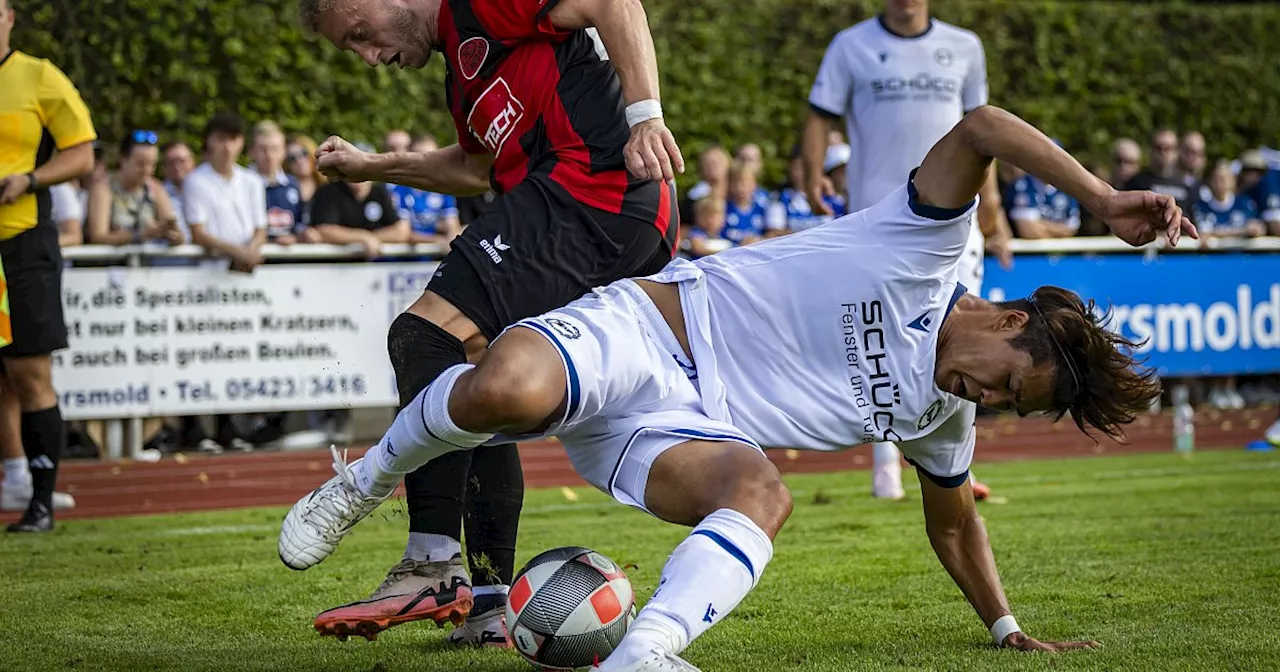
x=1172 y=564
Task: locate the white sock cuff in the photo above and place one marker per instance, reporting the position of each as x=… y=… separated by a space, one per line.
x=433 y=403
x=490 y=590
x=740 y=537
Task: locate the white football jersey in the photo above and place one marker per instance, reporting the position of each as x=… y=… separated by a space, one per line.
x=899 y=96
x=826 y=339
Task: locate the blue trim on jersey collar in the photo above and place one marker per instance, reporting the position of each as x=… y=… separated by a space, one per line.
x=931 y=211
x=887 y=29
x=955 y=296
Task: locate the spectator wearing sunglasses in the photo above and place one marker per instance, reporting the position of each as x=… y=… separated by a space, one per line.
x=131 y=206
x=300 y=163
x=177 y=161
x=284 y=198
x=1162 y=174
x=225 y=204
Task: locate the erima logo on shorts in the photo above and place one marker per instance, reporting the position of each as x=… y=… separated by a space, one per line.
x=492 y=248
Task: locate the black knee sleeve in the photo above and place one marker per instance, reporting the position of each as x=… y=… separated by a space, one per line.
x=495 y=495
x=420 y=351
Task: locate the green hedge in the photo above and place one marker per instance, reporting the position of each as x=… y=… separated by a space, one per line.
x=732 y=70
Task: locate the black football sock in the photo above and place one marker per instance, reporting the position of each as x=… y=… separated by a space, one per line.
x=495 y=495
x=43 y=437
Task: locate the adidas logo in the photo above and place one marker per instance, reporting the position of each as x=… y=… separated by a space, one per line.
x=42 y=462
x=492 y=249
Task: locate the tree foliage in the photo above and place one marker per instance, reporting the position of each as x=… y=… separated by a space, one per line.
x=732 y=70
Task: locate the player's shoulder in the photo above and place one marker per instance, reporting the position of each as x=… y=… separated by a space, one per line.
x=951 y=31
x=857 y=34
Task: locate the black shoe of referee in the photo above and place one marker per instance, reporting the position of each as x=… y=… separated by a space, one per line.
x=38 y=518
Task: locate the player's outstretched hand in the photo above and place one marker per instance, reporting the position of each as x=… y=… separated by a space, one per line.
x=652 y=152
x=1139 y=217
x=338 y=159
x=1021 y=642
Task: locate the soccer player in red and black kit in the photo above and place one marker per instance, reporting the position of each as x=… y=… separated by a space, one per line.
x=577 y=150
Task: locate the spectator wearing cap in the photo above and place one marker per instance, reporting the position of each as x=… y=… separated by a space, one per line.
x=1223 y=213
x=432 y=217
x=749 y=212
x=131 y=206
x=1126 y=161
x=1162 y=174
x=225 y=204
x=358 y=212
x=834 y=166
x=1038 y=210
x=283 y=197
x=1263 y=185
x=177 y=162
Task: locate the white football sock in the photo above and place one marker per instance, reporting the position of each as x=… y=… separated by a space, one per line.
x=708 y=574
x=426 y=547
x=886 y=476
x=421 y=432
x=16 y=473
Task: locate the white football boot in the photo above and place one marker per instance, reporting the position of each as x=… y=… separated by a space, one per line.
x=315 y=525
x=657 y=661
x=17 y=499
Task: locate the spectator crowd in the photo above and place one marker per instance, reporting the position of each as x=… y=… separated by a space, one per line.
x=148 y=191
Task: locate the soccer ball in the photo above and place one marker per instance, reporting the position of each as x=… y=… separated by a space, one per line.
x=568 y=608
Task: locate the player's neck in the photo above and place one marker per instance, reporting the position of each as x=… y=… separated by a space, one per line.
x=906 y=26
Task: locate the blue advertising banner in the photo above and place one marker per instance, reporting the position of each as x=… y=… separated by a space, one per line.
x=1200 y=314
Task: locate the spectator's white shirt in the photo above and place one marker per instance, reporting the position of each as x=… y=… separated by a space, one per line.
x=898 y=96
x=66 y=203
x=231 y=210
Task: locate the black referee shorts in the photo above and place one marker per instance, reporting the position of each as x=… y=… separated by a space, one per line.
x=535 y=249
x=33 y=272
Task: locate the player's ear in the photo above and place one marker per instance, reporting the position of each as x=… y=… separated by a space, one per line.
x=1011 y=320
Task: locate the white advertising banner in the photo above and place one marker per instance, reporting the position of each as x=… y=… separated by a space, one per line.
x=202 y=340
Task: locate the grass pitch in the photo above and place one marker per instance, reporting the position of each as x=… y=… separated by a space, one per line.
x=1173 y=564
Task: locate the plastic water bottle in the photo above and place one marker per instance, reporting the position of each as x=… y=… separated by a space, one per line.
x=1184 y=421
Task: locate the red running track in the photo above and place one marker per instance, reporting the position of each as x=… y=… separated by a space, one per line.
x=199 y=483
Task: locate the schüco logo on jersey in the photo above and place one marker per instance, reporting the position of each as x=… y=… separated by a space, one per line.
x=921 y=83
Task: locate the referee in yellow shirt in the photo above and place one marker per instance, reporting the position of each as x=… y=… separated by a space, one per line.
x=40 y=111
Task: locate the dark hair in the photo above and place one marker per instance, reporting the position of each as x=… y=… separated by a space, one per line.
x=138 y=137
x=226 y=123
x=164 y=149
x=1096 y=377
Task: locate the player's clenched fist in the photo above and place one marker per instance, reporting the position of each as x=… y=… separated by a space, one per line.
x=652 y=152
x=338 y=159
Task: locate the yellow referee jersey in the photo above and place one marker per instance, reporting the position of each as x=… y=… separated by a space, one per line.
x=39 y=109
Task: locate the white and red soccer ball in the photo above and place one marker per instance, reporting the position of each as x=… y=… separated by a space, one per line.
x=569 y=608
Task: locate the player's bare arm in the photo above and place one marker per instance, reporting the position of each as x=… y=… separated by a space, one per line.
x=993 y=222
x=813 y=148
x=448 y=170
x=624 y=29
x=955 y=169
x=959 y=538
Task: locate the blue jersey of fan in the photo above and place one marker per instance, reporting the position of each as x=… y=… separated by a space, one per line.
x=761 y=214
x=1266 y=193
x=1031 y=199
x=800 y=216
x=1233 y=213
x=284 y=206
x=424 y=209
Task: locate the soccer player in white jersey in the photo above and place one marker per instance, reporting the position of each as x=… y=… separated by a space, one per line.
x=901 y=81
x=663 y=390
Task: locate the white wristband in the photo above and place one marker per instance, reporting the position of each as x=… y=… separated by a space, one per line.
x=1003 y=627
x=643 y=110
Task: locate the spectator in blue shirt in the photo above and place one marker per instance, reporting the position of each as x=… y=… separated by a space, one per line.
x=799 y=215
x=1264 y=187
x=433 y=217
x=284 y=198
x=749 y=212
x=704 y=237
x=1226 y=214
x=1040 y=210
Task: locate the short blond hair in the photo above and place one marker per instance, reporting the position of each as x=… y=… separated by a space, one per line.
x=266 y=128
